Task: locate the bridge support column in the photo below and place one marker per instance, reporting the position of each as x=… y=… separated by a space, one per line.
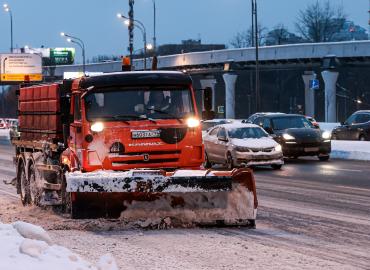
x=230 y=81
x=210 y=83
x=309 y=94
x=330 y=80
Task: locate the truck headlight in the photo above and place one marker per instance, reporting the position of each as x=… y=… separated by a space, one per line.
x=286 y=136
x=278 y=148
x=326 y=135
x=192 y=122
x=97 y=127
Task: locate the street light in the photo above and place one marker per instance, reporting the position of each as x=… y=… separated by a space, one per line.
x=142 y=28
x=79 y=42
x=154 y=26
x=7 y=9
x=255 y=30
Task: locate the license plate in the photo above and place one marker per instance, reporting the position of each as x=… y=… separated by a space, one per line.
x=139 y=134
x=311 y=149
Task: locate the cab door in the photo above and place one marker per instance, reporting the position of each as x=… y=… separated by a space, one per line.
x=221 y=145
x=75 y=139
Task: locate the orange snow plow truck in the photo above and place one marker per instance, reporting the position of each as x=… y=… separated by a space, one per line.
x=124 y=145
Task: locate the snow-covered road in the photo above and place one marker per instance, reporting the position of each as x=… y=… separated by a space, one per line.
x=310 y=217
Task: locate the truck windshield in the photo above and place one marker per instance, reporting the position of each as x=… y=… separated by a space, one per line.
x=136 y=104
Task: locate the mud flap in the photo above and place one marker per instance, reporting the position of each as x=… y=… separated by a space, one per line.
x=190 y=197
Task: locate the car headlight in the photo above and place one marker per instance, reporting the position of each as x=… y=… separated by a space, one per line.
x=326 y=135
x=192 y=122
x=278 y=148
x=241 y=149
x=286 y=136
x=97 y=127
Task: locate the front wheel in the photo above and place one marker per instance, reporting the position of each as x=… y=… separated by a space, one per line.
x=35 y=192
x=324 y=158
x=24 y=185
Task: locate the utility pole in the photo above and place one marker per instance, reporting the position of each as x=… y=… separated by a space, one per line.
x=131 y=28
x=255 y=19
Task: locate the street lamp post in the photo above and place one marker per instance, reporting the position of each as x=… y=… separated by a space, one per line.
x=154 y=26
x=80 y=43
x=256 y=43
x=142 y=28
x=7 y=9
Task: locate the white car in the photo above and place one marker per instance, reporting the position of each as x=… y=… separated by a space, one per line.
x=239 y=144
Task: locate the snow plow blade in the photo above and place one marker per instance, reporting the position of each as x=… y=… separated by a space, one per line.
x=185 y=196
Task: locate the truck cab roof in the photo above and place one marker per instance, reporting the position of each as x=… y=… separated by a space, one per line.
x=136 y=78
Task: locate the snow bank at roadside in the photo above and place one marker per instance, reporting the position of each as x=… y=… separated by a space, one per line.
x=328 y=126
x=356 y=150
x=4 y=134
x=26 y=246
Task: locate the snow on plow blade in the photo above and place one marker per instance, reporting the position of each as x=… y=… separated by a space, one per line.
x=186 y=196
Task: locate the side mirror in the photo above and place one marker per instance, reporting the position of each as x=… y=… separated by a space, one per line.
x=342 y=123
x=273 y=136
x=222 y=138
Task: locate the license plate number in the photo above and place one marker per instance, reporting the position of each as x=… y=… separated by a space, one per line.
x=139 y=134
x=311 y=149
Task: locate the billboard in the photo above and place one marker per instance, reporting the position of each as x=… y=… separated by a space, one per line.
x=20 y=67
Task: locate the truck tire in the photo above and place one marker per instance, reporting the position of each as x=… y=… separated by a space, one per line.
x=35 y=191
x=66 y=197
x=24 y=187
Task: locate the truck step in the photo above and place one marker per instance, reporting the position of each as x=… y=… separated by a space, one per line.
x=50 y=186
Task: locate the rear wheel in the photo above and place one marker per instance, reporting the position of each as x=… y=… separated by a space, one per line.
x=276 y=166
x=24 y=187
x=229 y=161
x=324 y=158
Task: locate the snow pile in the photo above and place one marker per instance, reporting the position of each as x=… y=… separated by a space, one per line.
x=26 y=246
x=356 y=150
x=4 y=134
x=328 y=126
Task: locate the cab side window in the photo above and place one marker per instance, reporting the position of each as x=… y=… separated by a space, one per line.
x=77 y=108
x=351 y=119
x=221 y=133
x=362 y=118
x=258 y=121
x=214 y=131
x=266 y=123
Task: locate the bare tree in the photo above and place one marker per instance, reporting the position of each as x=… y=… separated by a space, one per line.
x=244 y=38
x=280 y=35
x=320 y=21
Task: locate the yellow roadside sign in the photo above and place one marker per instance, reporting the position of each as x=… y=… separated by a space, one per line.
x=20 y=77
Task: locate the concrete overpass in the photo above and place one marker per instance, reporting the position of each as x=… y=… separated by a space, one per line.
x=307 y=56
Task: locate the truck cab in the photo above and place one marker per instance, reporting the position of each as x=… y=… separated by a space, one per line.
x=126 y=120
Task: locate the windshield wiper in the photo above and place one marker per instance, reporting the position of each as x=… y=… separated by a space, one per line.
x=136 y=117
x=167 y=113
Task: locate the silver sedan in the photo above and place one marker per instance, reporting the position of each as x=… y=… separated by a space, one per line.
x=241 y=144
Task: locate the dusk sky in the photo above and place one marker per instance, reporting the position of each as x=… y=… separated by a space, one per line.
x=39 y=22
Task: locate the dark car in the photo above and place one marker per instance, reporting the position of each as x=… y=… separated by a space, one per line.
x=296 y=135
x=356 y=127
